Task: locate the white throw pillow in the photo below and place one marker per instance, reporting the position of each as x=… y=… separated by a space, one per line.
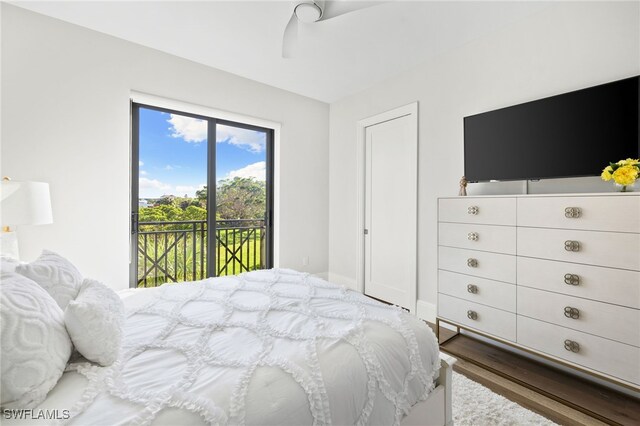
x=94 y=322
x=35 y=346
x=55 y=274
x=8 y=264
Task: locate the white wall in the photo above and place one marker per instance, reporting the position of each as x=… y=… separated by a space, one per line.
x=65 y=120
x=566 y=47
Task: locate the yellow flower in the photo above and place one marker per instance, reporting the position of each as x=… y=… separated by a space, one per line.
x=606 y=173
x=625 y=175
x=628 y=162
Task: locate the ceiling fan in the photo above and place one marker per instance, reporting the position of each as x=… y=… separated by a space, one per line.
x=311 y=11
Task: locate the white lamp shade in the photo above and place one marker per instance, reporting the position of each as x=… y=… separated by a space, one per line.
x=25 y=203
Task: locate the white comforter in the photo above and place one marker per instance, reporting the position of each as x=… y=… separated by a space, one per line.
x=267 y=347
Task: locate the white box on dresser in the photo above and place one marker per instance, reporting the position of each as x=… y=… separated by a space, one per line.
x=572 y=263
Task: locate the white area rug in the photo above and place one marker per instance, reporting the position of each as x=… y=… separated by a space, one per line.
x=474 y=404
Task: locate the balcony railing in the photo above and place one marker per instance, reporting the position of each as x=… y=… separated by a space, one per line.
x=177 y=251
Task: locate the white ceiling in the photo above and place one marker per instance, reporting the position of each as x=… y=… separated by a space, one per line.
x=336 y=58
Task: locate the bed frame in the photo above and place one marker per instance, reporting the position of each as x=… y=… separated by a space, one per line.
x=436 y=409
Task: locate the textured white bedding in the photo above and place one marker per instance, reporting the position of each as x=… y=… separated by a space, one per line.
x=267 y=347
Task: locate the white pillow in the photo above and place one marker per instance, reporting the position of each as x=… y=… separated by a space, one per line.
x=55 y=274
x=94 y=322
x=35 y=346
x=8 y=264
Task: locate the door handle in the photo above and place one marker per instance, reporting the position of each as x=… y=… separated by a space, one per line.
x=134 y=223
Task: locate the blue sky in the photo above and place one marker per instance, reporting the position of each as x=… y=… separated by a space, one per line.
x=173 y=154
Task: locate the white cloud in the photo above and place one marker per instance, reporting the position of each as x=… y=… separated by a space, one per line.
x=195 y=130
x=140 y=163
x=190 y=190
x=143 y=172
x=185 y=188
x=256 y=170
x=152 y=188
x=168 y=167
x=147 y=183
x=187 y=128
x=247 y=139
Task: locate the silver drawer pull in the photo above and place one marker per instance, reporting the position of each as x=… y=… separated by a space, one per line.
x=473 y=210
x=472 y=263
x=572 y=346
x=573 y=313
x=472 y=288
x=571 y=279
x=571 y=245
x=572 y=212
x=472 y=315
x=472 y=236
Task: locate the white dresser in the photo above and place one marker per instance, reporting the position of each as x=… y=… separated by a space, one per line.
x=557 y=275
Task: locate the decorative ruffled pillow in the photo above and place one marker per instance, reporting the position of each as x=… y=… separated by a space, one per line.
x=8 y=264
x=94 y=322
x=55 y=274
x=35 y=346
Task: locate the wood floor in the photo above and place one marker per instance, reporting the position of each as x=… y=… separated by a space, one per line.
x=556 y=395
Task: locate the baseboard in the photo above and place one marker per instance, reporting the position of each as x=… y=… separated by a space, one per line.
x=426 y=311
x=342 y=280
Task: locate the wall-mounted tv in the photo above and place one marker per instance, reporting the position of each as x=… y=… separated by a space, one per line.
x=569 y=135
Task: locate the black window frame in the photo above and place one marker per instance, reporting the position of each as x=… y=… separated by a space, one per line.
x=212 y=123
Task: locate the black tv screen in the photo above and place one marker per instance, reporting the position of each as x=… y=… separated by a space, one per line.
x=569 y=135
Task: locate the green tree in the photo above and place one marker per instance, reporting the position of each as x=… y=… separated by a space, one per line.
x=172 y=213
x=241 y=198
x=201 y=194
x=166 y=200
x=194 y=213
x=151 y=214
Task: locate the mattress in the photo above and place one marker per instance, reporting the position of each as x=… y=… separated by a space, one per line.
x=267 y=347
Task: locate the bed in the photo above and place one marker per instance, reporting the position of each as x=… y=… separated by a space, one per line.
x=266 y=347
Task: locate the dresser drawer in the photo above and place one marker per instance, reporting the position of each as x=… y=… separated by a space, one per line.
x=480 y=290
x=598 y=213
x=494 y=266
x=602 y=319
x=608 y=357
x=612 y=249
x=488 y=320
x=609 y=285
x=489 y=211
x=498 y=239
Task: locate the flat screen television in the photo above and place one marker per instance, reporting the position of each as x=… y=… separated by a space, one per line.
x=569 y=135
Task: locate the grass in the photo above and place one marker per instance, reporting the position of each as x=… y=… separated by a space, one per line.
x=182 y=255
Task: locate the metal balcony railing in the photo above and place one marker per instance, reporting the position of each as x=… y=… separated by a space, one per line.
x=177 y=251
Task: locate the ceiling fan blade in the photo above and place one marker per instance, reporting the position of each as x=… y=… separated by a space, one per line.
x=290 y=37
x=333 y=8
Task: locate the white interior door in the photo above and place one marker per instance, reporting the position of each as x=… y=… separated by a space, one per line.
x=390 y=210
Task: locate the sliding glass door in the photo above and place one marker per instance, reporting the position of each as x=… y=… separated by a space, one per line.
x=201 y=197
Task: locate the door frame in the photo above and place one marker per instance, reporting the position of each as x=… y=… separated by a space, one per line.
x=410 y=110
x=270 y=223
